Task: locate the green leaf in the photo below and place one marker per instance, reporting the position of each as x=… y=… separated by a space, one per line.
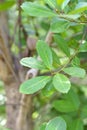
x=56 y=61
x=43 y=126
x=51 y=3
x=32 y=63
x=34 y=9
x=59 y=26
x=64 y=106
x=62 y=3
x=77 y=125
x=73 y=97
x=84 y=112
x=76 y=62
x=33 y=85
x=48 y=90
x=68 y=119
x=61 y=83
x=70 y=103
x=62 y=44
x=69 y=16
x=45 y=53
x=75 y=71
x=80 y=7
x=6 y=5
x=83 y=47
x=57 y=123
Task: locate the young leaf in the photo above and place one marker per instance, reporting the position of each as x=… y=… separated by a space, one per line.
x=80 y=7
x=33 y=85
x=62 y=3
x=59 y=26
x=56 y=61
x=45 y=53
x=61 y=83
x=32 y=63
x=34 y=9
x=75 y=71
x=77 y=125
x=62 y=44
x=6 y=5
x=57 y=123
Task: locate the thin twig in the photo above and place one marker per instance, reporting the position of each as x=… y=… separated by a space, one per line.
x=19 y=23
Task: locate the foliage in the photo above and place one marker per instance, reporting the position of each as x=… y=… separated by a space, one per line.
x=6 y=5
x=63 y=19
x=65 y=101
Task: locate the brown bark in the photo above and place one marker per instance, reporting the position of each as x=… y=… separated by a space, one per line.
x=12 y=83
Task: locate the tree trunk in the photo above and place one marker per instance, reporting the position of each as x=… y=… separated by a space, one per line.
x=18 y=106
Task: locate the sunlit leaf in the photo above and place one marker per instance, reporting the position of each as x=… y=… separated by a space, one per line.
x=61 y=83
x=32 y=63
x=75 y=71
x=34 y=9
x=57 y=123
x=80 y=7
x=62 y=3
x=6 y=5
x=33 y=85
